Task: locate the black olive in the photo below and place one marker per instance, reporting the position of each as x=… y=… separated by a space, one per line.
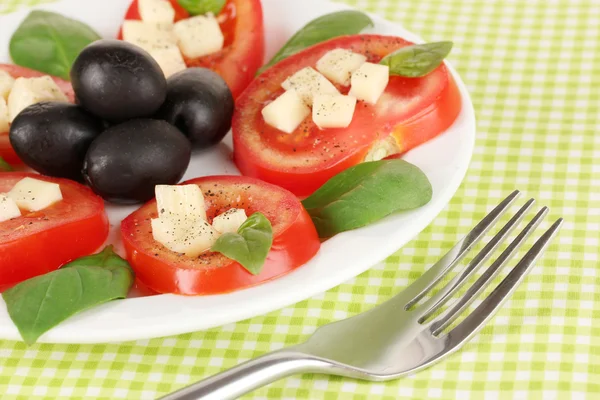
x=200 y=104
x=53 y=138
x=116 y=80
x=125 y=163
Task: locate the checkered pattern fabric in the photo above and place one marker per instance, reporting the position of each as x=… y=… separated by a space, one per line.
x=532 y=70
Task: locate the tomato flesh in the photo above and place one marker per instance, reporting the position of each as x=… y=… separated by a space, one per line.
x=241 y=22
x=295 y=240
x=6 y=150
x=39 y=242
x=413 y=110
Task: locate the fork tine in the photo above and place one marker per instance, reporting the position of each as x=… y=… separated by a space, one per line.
x=450 y=315
x=432 y=276
x=486 y=310
x=458 y=281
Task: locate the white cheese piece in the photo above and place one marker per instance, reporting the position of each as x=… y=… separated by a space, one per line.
x=28 y=91
x=333 y=111
x=6 y=83
x=286 y=112
x=190 y=237
x=149 y=36
x=35 y=195
x=180 y=202
x=382 y=149
x=308 y=83
x=369 y=82
x=230 y=220
x=338 y=65
x=3 y=116
x=157 y=11
x=169 y=59
x=8 y=208
x=199 y=35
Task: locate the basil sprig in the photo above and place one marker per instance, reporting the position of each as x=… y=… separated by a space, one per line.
x=328 y=26
x=4 y=166
x=366 y=193
x=250 y=245
x=417 y=60
x=49 y=42
x=198 y=7
x=39 y=304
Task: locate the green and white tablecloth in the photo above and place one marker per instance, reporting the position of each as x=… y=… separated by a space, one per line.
x=533 y=69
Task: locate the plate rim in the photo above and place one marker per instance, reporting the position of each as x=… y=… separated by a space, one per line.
x=64 y=333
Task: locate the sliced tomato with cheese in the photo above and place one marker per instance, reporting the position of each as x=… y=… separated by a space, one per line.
x=39 y=242
x=295 y=240
x=409 y=112
x=6 y=150
x=241 y=23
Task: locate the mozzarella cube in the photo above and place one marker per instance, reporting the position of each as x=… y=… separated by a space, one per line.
x=190 y=237
x=199 y=35
x=8 y=208
x=148 y=36
x=157 y=11
x=4 y=126
x=28 y=91
x=333 y=111
x=286 y=112
x=6 y=83
x=180 y=202
x=35 y=195
x=230 y=220
x=369 y=82
x=169 y=59
x=308 y=83
x=338 y=65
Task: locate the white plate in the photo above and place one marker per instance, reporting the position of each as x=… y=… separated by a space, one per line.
x=444 y=160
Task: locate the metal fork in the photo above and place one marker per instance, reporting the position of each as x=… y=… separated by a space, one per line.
x=399 y=336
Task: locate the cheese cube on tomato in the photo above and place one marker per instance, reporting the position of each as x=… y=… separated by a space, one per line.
x=333 y=111
x=8 y=208
x=157 y=11
x=28 y=91
x=338 y=65
x=308 y=83
x=230 y=220
x=286 y=112
x=180 y=201
x=35 y=195
x=189 y=237
x=169 y=59
x=149 y=36
x=6 y=84
x=199 y=35
x=369 y=82
x=3 y=116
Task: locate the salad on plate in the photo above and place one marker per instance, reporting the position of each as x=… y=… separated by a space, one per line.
x=318 y=135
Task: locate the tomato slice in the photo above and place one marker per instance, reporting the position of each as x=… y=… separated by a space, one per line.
x=242 y=55
x=39 y=242
x=6 y=150
x=413 y=110
x=295 y=240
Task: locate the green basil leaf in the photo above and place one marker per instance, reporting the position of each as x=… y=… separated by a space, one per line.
x=4 y=166
x=418 y=59
x=197 y=7
x=328 y=26
x=250 y=245
x=50 y=42
x=39 y=304
x=366 y=193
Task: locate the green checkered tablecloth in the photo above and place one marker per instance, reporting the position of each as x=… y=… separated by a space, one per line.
x=533 y=69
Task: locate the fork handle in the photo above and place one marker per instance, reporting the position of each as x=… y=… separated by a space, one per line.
x=251 y=375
